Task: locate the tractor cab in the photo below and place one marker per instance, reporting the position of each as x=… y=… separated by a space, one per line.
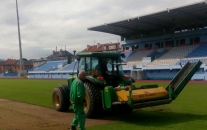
x=104 y=67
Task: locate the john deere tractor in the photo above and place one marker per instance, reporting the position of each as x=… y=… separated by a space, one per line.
x=118 y=92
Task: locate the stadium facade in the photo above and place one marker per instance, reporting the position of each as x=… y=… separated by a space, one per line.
x=157 y=45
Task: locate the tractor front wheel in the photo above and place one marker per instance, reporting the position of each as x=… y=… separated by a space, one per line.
x=60 y=102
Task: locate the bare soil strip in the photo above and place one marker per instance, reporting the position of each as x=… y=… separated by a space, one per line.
x=22 y=116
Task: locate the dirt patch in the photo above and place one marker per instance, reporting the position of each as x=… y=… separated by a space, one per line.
x=22 y=116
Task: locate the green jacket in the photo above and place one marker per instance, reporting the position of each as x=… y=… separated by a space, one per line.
x=77 y=92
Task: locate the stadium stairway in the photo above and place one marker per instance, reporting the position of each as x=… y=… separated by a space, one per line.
x=127 y=54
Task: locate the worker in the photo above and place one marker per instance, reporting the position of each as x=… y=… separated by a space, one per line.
x=104 y=70
x=77 y=98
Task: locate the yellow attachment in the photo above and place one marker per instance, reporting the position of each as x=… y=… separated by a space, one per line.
x=142 y=94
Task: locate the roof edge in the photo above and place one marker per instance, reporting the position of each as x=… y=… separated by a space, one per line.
x=200 y=2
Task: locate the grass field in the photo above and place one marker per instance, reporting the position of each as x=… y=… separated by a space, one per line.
x=188 y=111
x=38 y=92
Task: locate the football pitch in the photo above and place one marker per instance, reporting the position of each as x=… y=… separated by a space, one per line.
x=188 y=111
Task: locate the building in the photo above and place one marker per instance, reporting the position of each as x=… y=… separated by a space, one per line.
x=12 y=65
x=27 y=65
x=55 y=56
x=60 y=55
x=8 y=65
x=1 y=67
x=102 y=47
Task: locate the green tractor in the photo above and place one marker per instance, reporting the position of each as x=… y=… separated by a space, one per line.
x=118 y=92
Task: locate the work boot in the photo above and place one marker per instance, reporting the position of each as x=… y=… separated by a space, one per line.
x=73 y=127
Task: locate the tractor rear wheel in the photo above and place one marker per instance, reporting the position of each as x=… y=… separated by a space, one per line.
x=60 y=102
x=93 y=107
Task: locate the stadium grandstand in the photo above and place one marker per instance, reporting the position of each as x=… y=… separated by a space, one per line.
x=38 y=68
x=156 y=45
x=57 y=68
x=57 y=65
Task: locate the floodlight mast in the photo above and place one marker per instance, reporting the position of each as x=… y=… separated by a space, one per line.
x=20 y=45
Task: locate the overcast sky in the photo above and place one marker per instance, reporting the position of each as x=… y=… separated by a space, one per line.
x=45 y=24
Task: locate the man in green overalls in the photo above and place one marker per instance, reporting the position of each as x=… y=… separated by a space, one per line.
x=77 y=98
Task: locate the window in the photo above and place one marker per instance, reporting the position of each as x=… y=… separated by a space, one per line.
x=88 y=66
x=177 y=43
x=112 y=47
x=135 y=47
x=169 y=43
x=123 y=47
x=182 y=41
x=94 y=62
x=82 y=64
x=191 y=41
x=127 y=48
x=157 y=44
x=148 y=45
x=196 y=39
x=113 y=68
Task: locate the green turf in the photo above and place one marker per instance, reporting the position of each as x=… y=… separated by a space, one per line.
x=37 y=92
x=187 y=112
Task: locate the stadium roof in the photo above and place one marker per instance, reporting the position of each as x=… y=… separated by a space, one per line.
x=188 y=16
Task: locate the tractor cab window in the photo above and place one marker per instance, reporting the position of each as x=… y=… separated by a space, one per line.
x=94 y=66
x=109 y=65
x=94 y=62
x=114 y=66
x=88 y=66
x=82 y=64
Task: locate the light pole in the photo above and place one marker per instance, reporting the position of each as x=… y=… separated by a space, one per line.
x=20 y=45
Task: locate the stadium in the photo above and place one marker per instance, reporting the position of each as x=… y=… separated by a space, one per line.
x=156 y=45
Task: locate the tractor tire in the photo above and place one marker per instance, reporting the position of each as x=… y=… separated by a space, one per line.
x=60 y=102
x=93 y=108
